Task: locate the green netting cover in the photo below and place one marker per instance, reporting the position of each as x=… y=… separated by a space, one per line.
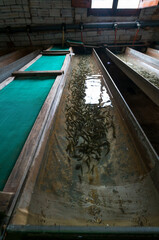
x=20 y=103
x=46 y=63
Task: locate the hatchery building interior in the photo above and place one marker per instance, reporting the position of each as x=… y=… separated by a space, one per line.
x=79 y=119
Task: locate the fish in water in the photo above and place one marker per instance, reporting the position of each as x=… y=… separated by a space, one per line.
x=87 y=125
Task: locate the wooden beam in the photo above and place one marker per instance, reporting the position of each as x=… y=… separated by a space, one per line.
x=60 y=50
x=5 y=201
x=54 y=53
x=37 y=73
x=115 y=4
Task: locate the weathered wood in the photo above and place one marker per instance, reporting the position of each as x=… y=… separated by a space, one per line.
x=6 y=71
x=5 y=200
x=10 y=79
x=37 y=73
x=39 y=136
x=153 y=53
x=30 y=63
x=6 y=82
x=14 y=56
x=49 y=48
x=57 y=51
x=19 y=172
x=54 y=53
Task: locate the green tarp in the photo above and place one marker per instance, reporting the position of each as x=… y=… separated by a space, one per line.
x=46 y=63
x=20 y=103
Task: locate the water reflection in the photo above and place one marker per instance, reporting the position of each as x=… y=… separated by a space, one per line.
x=89 y=120
x=95 y=91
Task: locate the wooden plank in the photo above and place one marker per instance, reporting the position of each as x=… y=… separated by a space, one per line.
x=6 y=82
x=153 y=53
x=5 y=200
x=57 y=51
x=37 y=73
x=8 y=55
x=54 y=53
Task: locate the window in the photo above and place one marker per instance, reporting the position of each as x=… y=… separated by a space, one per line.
x=119 y=7
x=102 y=4
x=121 y=4
x=114 y=8
x=113 y=4
x=128 y=4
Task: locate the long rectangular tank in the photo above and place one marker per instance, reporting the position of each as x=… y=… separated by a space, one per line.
x=95 y=174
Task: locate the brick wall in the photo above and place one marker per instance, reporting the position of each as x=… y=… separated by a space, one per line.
x=16 y=13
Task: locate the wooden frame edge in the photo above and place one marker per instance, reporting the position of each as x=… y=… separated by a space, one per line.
x=35 y=138
x=34 y=168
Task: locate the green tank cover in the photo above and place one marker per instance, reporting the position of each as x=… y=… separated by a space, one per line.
x=59 y=48
x=20 y=103
x=46 y=63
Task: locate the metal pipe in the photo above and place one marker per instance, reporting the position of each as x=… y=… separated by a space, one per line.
x=81 y=232
x=58 y=27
